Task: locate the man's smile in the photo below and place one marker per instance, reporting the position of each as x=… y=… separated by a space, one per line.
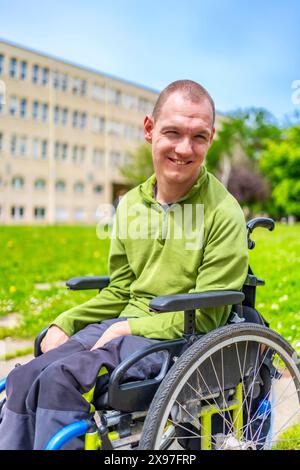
x=178 y=161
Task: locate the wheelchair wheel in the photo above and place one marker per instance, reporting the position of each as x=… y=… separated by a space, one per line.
x=237 y=388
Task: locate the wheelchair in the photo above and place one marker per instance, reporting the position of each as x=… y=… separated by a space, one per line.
x=234 y=388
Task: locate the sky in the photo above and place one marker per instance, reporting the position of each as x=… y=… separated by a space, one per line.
x=244 y=53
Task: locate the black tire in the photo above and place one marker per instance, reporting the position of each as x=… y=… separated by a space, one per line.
x=215 y=342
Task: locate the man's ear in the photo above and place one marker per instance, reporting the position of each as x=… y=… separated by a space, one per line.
x=212 y=135
x=148 y=128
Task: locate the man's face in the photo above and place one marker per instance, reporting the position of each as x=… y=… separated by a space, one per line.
x=180 y=137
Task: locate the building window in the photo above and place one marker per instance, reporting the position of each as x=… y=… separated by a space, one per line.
x=79 y=214
x=83 y=87
x=13 y=68
x=61 y=214
x=39 y=212
x=145 y=106
x=1 y=64
x=98 y=188
x=44 y=149
x=78 y=154
x=23 y=107
x=13 y=144
x=44 y=112
x=23 y=71
x=17 y=212
x=115 y=158
x=98 y=157
x=56 y=79
x=76 y=86
x=81 y=154
x=23 y=146
x=13 y=106
x=35 y=73
x=64 y=117
x=78 y=187
x=64 y=83
x=35 y=110
x=56 y=114
x=98 y=92
x=45 y=76
x=129 y=101
x=65 y=148
x=60 y=185
x=114 y=128
x=17 y=182
x=99 y=124
x=36 y=149
x=114 y=96
x=83 y=120
x=57 y=150
x=40 y=184
x=130 y=132
x=75 y=154
x=75 y=119
x=2 y=102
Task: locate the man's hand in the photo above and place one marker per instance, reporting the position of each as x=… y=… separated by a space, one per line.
x=121 y=328
x=54 y=338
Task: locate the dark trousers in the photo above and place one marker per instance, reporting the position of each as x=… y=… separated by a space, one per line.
x=54 y=389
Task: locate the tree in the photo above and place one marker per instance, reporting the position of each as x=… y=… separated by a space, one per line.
x=138 y=166
x=248 y=185
x=243 y=133
x=236 y=150
x=280 y=162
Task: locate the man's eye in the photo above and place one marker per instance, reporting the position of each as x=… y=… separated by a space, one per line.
x=201 y=137
x=172 y=133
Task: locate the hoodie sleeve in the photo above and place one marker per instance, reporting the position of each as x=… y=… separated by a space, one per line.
x=110 y=302
x=224 y=267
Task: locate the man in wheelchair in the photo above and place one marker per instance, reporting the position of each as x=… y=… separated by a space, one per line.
x=147 y=259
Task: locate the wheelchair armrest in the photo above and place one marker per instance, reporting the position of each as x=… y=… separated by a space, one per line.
x=38 y=340
x=175 y=303
x=87 y=282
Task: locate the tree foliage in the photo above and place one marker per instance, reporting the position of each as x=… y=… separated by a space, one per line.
x=138 y=166
x=280 y=162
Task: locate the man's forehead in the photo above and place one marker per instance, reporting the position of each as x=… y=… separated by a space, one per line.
x=178 y=105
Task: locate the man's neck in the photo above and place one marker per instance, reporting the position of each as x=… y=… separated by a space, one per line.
x=168 y=193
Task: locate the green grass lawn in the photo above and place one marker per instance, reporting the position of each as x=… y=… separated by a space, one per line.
x=51 y=255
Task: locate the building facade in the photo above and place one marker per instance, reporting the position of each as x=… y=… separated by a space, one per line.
x=64 y=132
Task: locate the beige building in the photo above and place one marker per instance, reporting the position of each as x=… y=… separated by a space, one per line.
x=64 y=130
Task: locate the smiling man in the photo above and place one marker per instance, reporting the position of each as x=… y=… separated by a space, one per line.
x=106 y=329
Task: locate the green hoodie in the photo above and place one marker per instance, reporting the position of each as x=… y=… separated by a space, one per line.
x=153 y=259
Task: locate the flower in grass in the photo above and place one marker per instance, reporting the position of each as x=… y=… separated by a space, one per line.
x=12 y=289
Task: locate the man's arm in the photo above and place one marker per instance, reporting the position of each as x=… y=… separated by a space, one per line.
x=224 y=267
x=108 y=304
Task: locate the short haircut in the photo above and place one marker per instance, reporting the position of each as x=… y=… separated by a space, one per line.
x=193 y=90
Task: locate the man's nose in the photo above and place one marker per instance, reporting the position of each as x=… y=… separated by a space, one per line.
x=184 y=148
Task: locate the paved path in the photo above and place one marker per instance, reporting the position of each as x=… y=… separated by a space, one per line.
x=6 y=366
